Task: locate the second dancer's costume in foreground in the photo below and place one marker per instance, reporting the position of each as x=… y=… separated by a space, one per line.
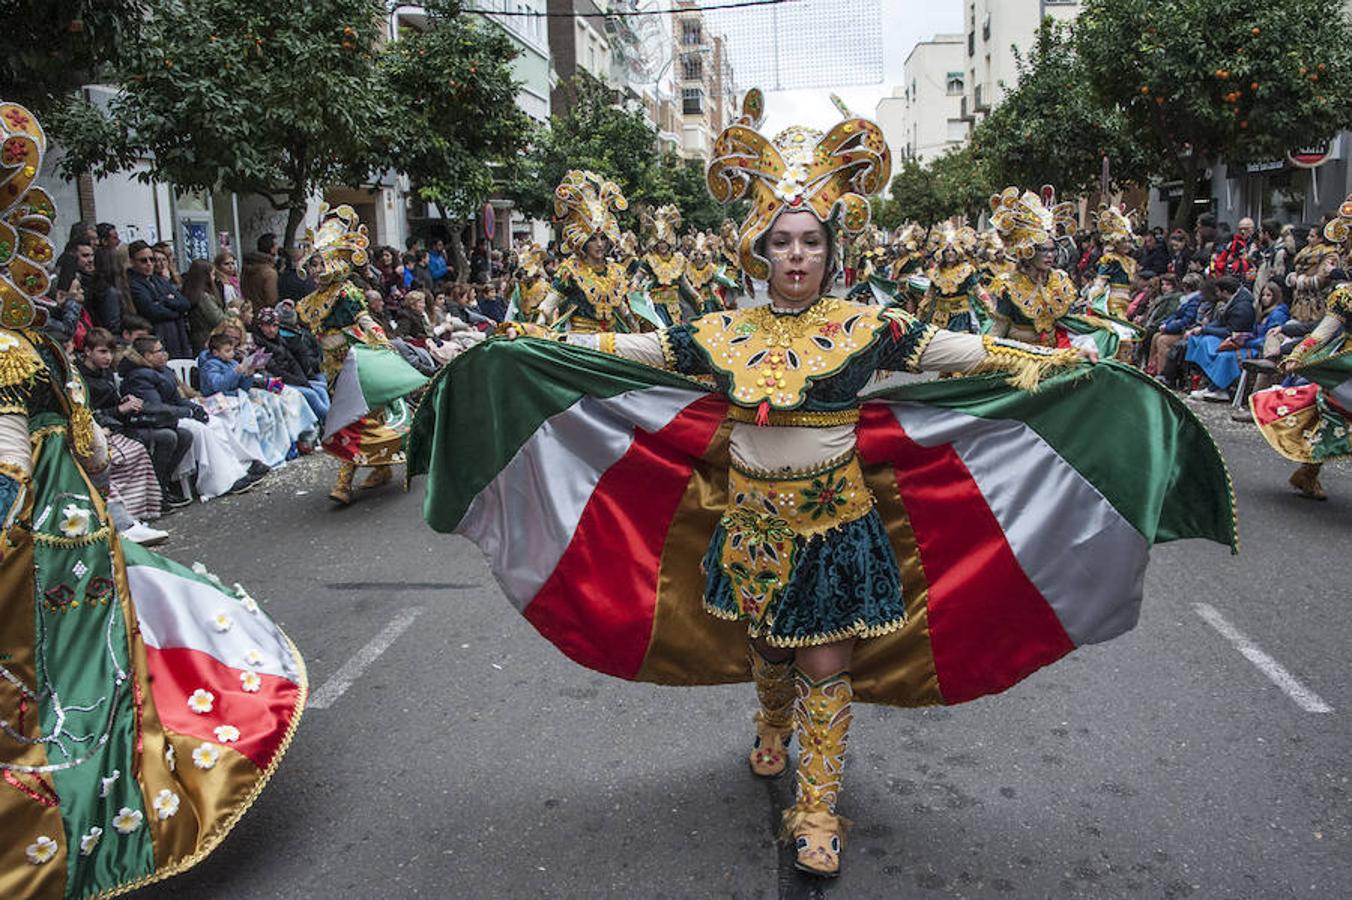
x=143 y=705
x=655 y=499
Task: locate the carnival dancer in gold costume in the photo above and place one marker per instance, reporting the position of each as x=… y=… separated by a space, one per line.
x=590 y=292
x=660 y=269
x=953 y=301
x=359 y=430
x=531 y=285
x=732 y=265
x=1034 y=302
x=704 y=278
x=793 y=371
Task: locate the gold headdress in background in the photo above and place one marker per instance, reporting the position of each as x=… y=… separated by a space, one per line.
x=585 y=204
x=26 y=214
x=1114 y=225
x=801 y=168
x=911 y=238
x=340 y=242
x=531 y=260
x=1026 y=220
x=660 y=226
x=948 y=236
x=1338 y=230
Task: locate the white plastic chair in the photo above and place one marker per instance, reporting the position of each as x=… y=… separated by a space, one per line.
x=183 y=369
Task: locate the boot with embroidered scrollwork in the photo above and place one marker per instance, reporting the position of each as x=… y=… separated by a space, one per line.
x=774 y=720
x=822 y=714
x=378 y=476
x=342 y=488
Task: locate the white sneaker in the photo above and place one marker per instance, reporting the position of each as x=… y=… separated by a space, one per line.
x=143 y=534
x=1216 y=396
x=1198 y=394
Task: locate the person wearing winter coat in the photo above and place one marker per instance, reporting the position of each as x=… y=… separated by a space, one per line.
x=157 y=300
x=284 y=364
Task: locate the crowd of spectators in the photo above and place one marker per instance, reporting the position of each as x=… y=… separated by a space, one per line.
x=206 y=380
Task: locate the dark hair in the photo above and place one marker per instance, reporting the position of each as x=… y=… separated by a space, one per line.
x=1272 y=228
x=267 y=243
x=103 y=229
x=99 y=337
x=1278 y=288
x=135 y=323
x=1227 y=283
x=145 y=343
x=1169 y=277
x=136 y=247
x=1147 y=274
x=219 y=341
x=198 y=283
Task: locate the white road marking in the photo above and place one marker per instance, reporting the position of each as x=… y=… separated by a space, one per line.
x=341 y=680
x=1305 y=698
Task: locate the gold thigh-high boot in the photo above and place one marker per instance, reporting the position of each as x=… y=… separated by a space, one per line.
x=822 y=715
x=774 y=719
x=1306 y=480
x=342 y=489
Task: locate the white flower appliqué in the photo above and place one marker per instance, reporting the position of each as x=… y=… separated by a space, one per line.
x=254 y=657
x=250 y=682
x=42 y=850
x=205 y=756
x=107 y=783
x=90 y=840
x=127 y=820
x=222 y=622
x=169 y=759
x=166 y=804
x=226 y=734
x=201 y=701
x=74 y=521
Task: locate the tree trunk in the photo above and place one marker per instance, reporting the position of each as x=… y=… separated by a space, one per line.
x=1192 y=167
x=457 y=243
x=295 y=213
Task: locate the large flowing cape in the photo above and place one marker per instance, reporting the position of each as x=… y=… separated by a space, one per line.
x=1022 y=522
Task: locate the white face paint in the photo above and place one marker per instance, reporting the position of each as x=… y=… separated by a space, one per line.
x=798 y=248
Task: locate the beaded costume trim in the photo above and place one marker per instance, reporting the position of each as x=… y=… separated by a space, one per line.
x=796 y=418
x=1041 y=305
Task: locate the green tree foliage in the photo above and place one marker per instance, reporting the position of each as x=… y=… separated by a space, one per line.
x=594 y=134
x=450 y=120
x=1203 y=79
x=681 y=181
x=952 y=184
x=53 y=48
x=1053 y=128
x=272 y=99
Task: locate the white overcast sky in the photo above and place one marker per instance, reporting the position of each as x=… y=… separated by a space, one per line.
x=905 y=23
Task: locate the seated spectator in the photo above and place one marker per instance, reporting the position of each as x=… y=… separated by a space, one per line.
x=69 y=316
x=283 y=363
x=221 y=465
x=265 y=416
x=491 y=303
x=1234 y=322
x=158 y=301
x=412 y=323
x=302 y=343
x=123 y=416
x=1144 y=287
x=207 y=309
x=1163 y=305
x=1172 y=331
x=387 y=320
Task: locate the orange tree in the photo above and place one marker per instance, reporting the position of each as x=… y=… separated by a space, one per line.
x=1201 y=80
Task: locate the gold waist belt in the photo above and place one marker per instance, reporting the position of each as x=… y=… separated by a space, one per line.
x=796 y=418
x=807 y=502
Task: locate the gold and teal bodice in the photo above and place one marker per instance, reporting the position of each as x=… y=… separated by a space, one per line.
x=533 y=293
x=596 y=295
x=814 y=360
x=1027 y=304
x=1118 y=270
x=951 y=293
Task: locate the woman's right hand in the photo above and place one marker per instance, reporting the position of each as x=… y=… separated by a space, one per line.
x=129 y=405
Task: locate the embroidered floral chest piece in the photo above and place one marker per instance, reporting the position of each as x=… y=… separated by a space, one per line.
x=667 y=270
x=1042 y=305
x=772 y=357
x=604 y=289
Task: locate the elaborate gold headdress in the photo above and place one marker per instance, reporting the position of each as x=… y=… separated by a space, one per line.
x=660 y=226
x=800 y=168
x=26 y=214
x=1114 y=224
x=911 y=238
x=530 y=259
x=340 y=242
x=705 y=244
x=628 y=245
x=989 y=244
x=1026 y=220
x=1338 y=230
x=948 y=236
x=585 y=204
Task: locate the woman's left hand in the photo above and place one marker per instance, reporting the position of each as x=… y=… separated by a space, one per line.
x=1089 y=354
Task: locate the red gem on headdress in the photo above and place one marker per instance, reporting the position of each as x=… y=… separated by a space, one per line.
x=16 y=118
x=796 y=201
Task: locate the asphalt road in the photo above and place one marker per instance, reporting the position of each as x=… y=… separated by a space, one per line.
x=470 y=759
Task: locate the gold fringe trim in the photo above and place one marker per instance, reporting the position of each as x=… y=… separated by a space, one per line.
x=223 y=829
x=19 y=362
x=668 y=352
x=857 y=630
x=796 y=418
x=913 y=360
x=84 y=540
x=1025 y=364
